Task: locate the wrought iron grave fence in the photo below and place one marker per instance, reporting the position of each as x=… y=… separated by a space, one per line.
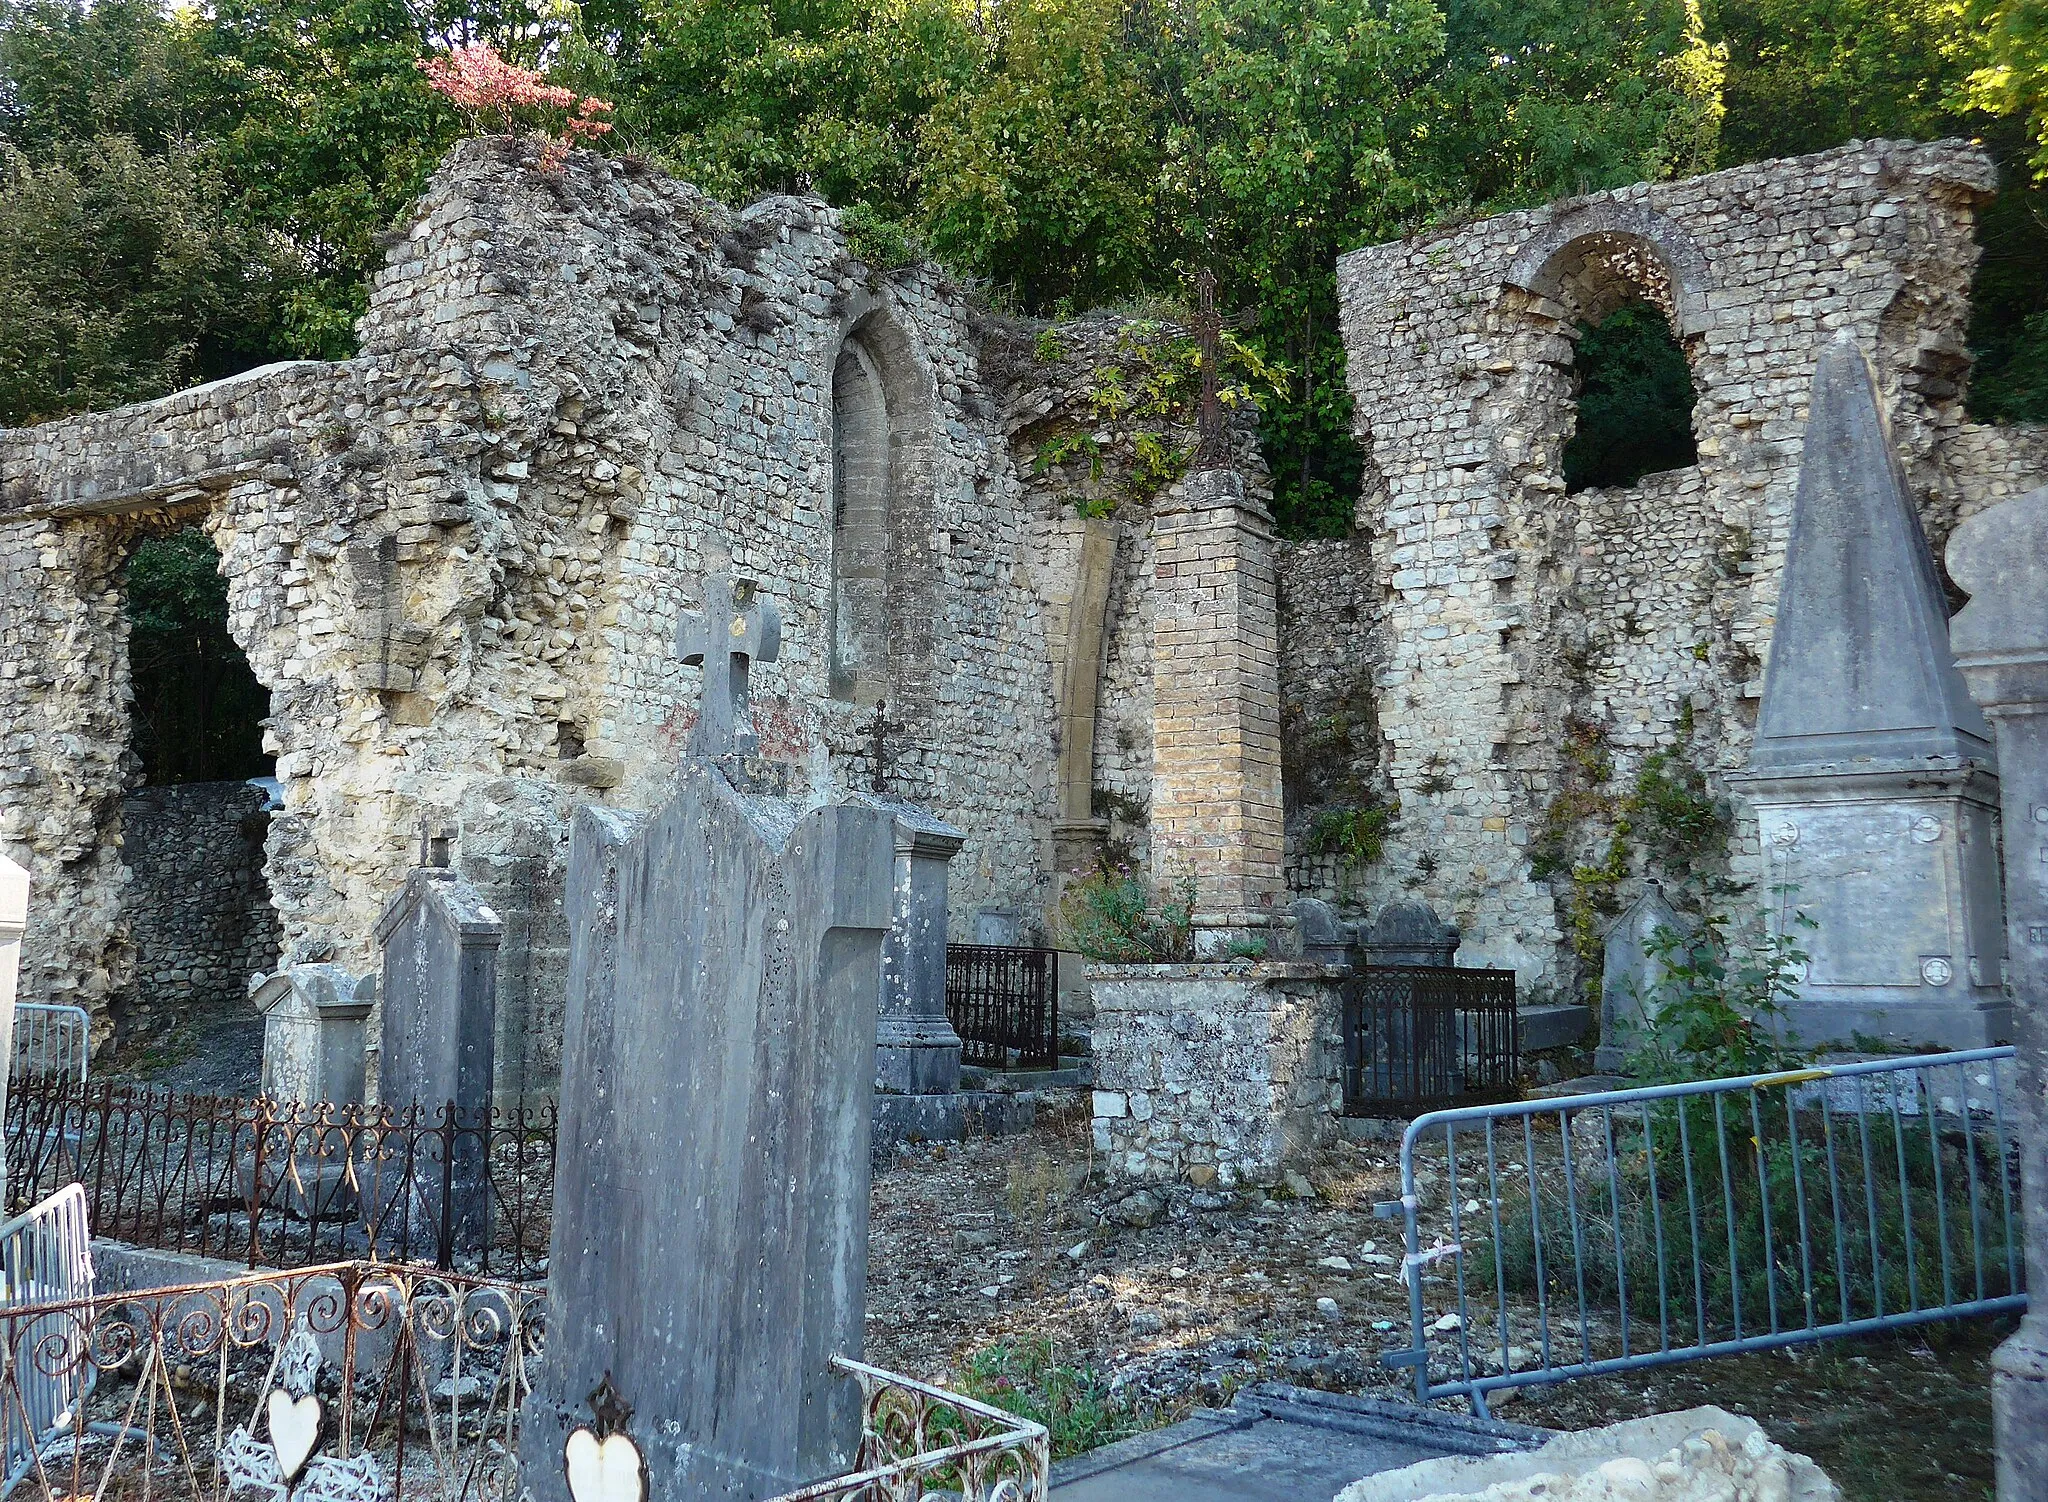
x=1600 y=1233
x=279 y=1184
x=361 y=1382
x=1003 y=1001
x=1422 y=1036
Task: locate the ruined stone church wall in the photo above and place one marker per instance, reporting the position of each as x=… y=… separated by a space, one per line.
x=458 y=562
x=1540 y=644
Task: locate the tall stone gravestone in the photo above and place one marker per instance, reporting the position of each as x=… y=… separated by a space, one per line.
x=1632 y=969
x=13 y=919
x=917 y=1052
x=440 y=990
x=314 y=1044
x=2001 y=641
x=1872 y=774
x=709 y=1249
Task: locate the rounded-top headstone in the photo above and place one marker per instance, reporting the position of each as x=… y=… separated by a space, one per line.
x=1409 y=932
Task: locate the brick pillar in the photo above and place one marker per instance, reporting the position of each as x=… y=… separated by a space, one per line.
x=1216 y=703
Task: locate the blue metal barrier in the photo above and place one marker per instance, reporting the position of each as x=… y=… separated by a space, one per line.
x=1549 y=1239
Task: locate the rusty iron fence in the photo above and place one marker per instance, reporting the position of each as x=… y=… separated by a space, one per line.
x=1593 y=1234
x=360 y=1382
x=1003 y=1001
x=1421 y=1037
x=280 y=1184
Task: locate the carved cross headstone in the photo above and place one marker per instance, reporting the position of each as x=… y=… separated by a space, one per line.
x=708 y=1254
x=735 y=629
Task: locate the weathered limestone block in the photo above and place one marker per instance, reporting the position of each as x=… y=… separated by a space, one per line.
x=1223 y=1074
x=1699 y=1455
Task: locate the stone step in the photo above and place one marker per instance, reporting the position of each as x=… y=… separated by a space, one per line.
x=1075 y=1073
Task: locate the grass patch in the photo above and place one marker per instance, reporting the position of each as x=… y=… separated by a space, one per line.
x=1025 y=1377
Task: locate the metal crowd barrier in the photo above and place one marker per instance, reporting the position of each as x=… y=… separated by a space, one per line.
x=45 y=1258
x=1549 y=1239
x=50 y=1042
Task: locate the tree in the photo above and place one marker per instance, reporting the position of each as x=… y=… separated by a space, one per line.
x=122 y=276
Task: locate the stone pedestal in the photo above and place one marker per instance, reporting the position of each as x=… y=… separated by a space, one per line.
x=436 y=1045
x=1216 y=812
x=13 y=918
x=1216 y=1074
x=314 y=1033
x=1872 y=774
x=2001 y=642
x=916 y=1050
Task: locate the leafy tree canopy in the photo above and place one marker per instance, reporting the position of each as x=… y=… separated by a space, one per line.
x=191 y=190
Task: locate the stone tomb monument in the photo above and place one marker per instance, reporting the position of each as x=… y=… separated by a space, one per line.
x=440 y=987
x=709 y=1251
x=1872 y=775
x=1631 y=971
x=315 y=1021
x=2001 y=639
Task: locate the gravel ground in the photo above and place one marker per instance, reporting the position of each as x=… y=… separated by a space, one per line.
x=1178 y=1298
x=218 y=1051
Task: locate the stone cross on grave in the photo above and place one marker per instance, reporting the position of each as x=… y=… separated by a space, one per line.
x=1209 y=326
x=735 y=628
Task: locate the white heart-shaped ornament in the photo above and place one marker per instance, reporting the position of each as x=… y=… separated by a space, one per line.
x=294 y=1430
x=605 y=1470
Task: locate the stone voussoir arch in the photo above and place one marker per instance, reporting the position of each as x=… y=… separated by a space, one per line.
x=1673 y=271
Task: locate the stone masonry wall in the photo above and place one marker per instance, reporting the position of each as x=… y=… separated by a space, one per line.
x=198 y=908
x=1538 y=645
x=1216 y=1074
x=457 y=563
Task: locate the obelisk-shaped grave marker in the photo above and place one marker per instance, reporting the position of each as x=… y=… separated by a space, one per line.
x=709 y=1251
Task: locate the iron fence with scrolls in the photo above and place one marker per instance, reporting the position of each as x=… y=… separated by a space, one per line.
x=1003 y=1001
x=1417 y=1037
x=359 y=1381
x=279 y=1184
x=1582 y=1235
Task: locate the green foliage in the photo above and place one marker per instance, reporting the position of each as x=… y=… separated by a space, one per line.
x=1635 y=401
x=1113 y=915
x=1075 y=1404
x=1707 y=1191
x=2012 y=79
x=118 y=281
x=198 y=708
x=1356 y=835
x=1718 y=1007
x=1680 y=824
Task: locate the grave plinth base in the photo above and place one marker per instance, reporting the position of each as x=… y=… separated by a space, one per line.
x=953 y=1117
x=1217 y=1074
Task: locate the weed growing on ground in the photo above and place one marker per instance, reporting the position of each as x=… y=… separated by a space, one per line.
x=1075 y=1403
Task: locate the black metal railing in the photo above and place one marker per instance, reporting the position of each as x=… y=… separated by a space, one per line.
x=1003 y=1001
x=1421 y=1037
x=280 y=1184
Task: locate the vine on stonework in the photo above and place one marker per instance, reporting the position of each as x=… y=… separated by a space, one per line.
x=1666 y=823
x=1142 y=400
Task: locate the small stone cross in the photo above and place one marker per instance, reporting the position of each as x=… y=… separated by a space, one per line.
x=436 y=845
x=734 y=629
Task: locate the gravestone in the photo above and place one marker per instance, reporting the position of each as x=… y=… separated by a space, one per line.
x=435 y=1052
x=1872 y=774
x=916 y=1050
x=709 y=1247
x=1630 y=974
x=13 y=919
x=2001 y=642
x=1323 y=938
x=1001 y=926
x=314 y=1033
x=1410 y=933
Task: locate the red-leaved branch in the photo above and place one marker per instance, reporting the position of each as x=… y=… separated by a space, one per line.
x=494 y=93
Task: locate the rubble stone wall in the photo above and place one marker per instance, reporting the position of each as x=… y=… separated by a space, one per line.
x=1520 y=626
x=198 y=907
x=457 y=563
x=1215 y=1074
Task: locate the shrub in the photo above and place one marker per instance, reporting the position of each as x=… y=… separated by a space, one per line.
x=1114 y=915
